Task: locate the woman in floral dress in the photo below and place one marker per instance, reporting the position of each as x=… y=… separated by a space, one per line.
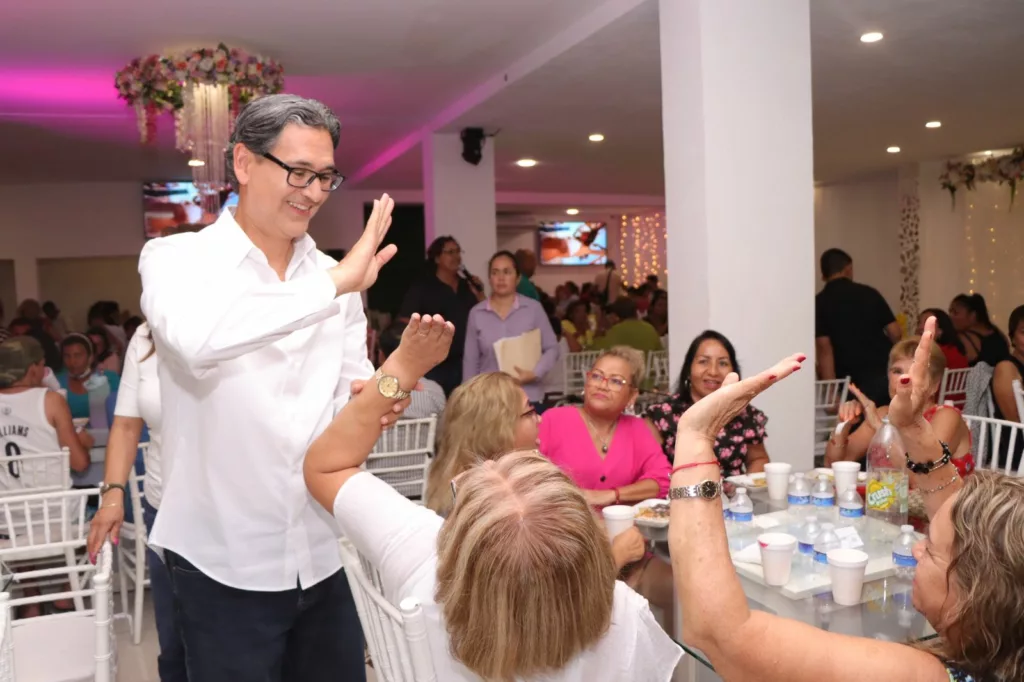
x=740 y=445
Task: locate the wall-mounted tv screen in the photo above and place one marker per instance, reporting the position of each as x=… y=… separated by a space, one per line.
x=573 y=243
x=169 y=204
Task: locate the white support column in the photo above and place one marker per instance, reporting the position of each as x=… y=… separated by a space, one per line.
x=458 y=199
x=26 y=280
x=736 y=111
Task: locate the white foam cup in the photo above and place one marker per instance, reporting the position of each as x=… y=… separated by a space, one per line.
x=776 y=475
x=846 y=569
x=618 y=518
x=845 y=474
x=777 y=551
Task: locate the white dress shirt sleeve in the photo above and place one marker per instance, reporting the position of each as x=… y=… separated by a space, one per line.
x=355 y=363
x=204 y=315
x=128 y=390
x=396 y=535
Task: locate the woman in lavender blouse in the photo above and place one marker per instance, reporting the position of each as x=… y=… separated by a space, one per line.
x=503 y=315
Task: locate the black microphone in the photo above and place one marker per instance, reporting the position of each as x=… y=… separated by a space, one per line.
x=464 y=273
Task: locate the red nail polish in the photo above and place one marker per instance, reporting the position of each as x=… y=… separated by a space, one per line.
x=801 y=358
x=797 y=368
x=904 y=380
x=772 y=377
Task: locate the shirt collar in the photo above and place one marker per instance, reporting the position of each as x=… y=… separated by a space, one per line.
x=237 y=245
x=515 y=303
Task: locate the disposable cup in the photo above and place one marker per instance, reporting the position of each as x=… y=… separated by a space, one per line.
x=845 y=474
x=618 y=518
x=777 y=551
x=776 y=475
x=846 y=569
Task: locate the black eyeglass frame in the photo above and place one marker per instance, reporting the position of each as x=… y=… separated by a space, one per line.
x=333 y=176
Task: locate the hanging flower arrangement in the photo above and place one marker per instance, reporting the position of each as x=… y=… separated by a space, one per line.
x=156 y=84
x=1007 y=169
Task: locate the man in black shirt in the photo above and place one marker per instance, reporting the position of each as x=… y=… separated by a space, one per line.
x=854 y=329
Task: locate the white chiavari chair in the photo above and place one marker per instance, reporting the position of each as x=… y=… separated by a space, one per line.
x=131 y=558
x=575 y=369
x=78 y=645
x=657 y=369
x=396 y=637
x=992 y=437
x=402 y=454
x=36 y=473
x=1018 y=397
x=829 y=394
x=953 y=389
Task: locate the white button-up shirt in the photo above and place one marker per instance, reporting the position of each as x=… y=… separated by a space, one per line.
x=252 y=370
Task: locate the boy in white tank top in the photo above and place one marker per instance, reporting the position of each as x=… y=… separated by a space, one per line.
x=33 y=420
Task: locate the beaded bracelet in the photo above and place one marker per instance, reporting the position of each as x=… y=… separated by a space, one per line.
x=948 y=483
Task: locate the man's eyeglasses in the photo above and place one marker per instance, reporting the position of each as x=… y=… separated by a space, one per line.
x=616 y=383
x=304 y=177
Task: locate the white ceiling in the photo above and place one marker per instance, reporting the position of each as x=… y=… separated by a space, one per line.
x=389 y=66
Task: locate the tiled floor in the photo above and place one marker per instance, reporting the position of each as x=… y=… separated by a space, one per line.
x=138 y=663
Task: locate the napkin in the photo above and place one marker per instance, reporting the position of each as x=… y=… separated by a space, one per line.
x=750 y=554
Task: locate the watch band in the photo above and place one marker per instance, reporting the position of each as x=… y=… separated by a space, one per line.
x=929 y=467
x=705 y=490
x=399 y=393
x=107 y=487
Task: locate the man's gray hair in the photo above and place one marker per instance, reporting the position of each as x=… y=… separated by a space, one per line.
x=262 y=120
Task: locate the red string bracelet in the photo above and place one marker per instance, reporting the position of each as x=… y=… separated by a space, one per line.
x=691 y=465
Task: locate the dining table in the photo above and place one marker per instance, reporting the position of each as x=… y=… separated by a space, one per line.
x=885 y=611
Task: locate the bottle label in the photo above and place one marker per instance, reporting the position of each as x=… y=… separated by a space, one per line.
x=742 y=516
x=727 y=515
x=820 y=557
x=799 y=499
x=851 y=512
x=904 y=560
x=824 y=501
x=880 y=496
x=807 y=548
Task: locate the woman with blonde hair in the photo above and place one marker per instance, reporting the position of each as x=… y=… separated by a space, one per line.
x=517 y=582
x=970 y=572
x=612 y=456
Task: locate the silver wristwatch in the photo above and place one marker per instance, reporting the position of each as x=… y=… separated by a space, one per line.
x=707 y=490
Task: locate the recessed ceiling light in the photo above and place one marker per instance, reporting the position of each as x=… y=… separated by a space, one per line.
x=526 y=163
x=893 y=150
x=988 y=153
x=872 y=37
x=596 y=137
x=195 y=163
x=933 y=124
x=572 y=211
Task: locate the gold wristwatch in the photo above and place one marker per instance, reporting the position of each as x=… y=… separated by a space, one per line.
x=388 y=386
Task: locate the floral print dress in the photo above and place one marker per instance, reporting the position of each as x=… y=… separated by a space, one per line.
x=732 y=444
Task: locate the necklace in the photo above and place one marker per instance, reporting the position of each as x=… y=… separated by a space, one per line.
x=605 y=441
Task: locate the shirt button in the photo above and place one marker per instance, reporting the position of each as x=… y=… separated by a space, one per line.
x=602 y=479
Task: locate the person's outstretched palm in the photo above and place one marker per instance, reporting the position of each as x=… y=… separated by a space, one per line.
x=912 y=389
x=358 y=270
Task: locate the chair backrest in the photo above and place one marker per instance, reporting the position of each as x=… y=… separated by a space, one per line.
x=6 y=641
x=829 y=394
x=402 y=455
x=657 y=369
x=47 y=471
x=1018 y=397
x=396 y=638
x=954 y=387
x=996 y=439
x=576 y=366
x=52 y=520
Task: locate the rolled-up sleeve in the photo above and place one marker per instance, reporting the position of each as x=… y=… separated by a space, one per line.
x=651 y=463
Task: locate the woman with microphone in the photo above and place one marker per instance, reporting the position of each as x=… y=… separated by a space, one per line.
x=446 y=289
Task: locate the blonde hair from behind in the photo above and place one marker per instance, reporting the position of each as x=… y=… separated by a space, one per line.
x=479 y=423
x=984 y=626
x=904 y=350
x=525 y=575
x=633 y=357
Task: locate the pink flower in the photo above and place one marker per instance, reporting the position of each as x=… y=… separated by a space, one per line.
x=725 y=453
x=737 y=439
x=749 y=433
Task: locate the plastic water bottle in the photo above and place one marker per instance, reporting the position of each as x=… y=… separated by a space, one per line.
x=98 y=388
x=806 y=536
x=799 y=499
x=851 y=509
x=887 y=483
x=726 y=513
x=903 y=553
x=826 y=540
x=742 y=510
x=823 y=497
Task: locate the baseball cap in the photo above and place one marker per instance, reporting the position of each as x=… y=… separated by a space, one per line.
x=17 y=355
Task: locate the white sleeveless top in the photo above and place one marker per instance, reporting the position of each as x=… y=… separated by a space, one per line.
x=24 y=430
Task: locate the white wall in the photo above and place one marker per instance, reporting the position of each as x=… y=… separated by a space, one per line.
x=862 y=217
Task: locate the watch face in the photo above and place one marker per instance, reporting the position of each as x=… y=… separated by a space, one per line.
x=709 y=489
x=388 y=386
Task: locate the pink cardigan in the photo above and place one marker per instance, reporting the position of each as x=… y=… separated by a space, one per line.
x=633 y=455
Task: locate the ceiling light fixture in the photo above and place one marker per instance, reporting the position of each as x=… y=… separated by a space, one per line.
x=526 y=163
x=933 y=124
x=893 y=150
x=572 y=211
x=872 y=37
x=596 y=137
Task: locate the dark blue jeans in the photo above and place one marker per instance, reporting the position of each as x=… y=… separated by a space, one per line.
x=171 y=662
x=298 y=635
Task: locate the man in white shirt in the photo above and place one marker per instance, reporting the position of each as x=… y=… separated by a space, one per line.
x=261 y=338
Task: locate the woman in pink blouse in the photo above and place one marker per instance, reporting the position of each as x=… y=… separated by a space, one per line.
x=612 y=456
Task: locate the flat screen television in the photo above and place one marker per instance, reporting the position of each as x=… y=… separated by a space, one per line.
x=573 y=243
x=169 y=204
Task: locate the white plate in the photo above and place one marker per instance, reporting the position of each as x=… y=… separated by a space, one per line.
x=650 y=523
x=861 y=475
x=751 y=481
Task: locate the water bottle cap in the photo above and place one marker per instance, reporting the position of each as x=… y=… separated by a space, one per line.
x=798 y=475
x=741 y=491
x=827 y=526
x=907 y=528
x=812 y=519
